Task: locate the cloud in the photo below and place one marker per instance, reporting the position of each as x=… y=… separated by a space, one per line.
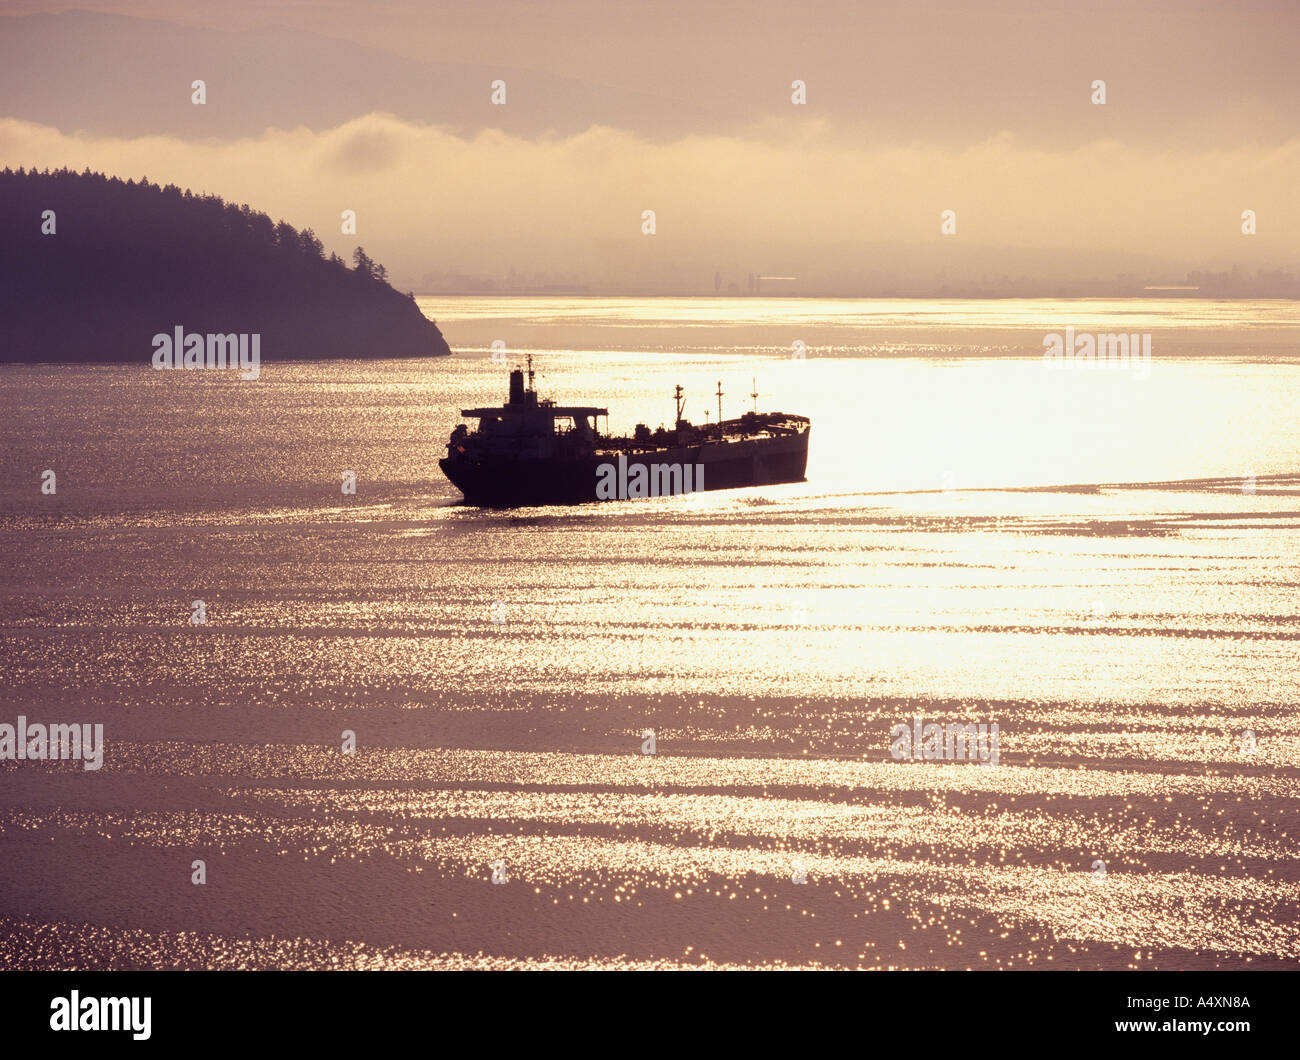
x=366 y=151
x=427 y=198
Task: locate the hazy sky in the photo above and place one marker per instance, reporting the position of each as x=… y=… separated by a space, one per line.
x=685 y=108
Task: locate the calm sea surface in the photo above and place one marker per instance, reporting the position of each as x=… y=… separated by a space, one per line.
x=1103 y=561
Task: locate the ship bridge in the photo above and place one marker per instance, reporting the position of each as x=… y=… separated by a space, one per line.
x=523 y=416
x=523 y=402
x=544 y=408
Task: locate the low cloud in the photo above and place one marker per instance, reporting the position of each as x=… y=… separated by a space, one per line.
x=427 y=199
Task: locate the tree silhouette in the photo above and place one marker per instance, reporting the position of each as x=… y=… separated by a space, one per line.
x=363 y=264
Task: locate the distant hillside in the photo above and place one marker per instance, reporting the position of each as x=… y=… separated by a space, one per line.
x=127 y=261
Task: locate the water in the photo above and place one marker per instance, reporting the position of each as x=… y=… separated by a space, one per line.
x=1102 y=563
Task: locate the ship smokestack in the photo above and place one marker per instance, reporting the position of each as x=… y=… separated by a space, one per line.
x=517 y=387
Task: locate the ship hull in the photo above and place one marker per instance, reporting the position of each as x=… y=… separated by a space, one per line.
x=499 y=482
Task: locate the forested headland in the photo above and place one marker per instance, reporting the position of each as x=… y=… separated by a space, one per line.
x=92 y=267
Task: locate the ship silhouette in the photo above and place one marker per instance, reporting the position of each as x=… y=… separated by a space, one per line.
x=530 y=451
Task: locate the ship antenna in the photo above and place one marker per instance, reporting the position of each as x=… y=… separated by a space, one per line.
x=754 y=383
x=530 y=372
x=719 y=402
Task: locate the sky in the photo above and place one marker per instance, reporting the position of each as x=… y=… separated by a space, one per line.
x=686 y=109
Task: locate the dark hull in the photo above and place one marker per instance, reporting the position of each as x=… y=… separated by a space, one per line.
x=505 y=483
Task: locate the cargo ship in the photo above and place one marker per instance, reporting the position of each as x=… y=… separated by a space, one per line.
x=531 y=451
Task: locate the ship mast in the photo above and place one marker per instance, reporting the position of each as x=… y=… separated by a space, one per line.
x=680 y=395
x=719 y=402
x=754 y=383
